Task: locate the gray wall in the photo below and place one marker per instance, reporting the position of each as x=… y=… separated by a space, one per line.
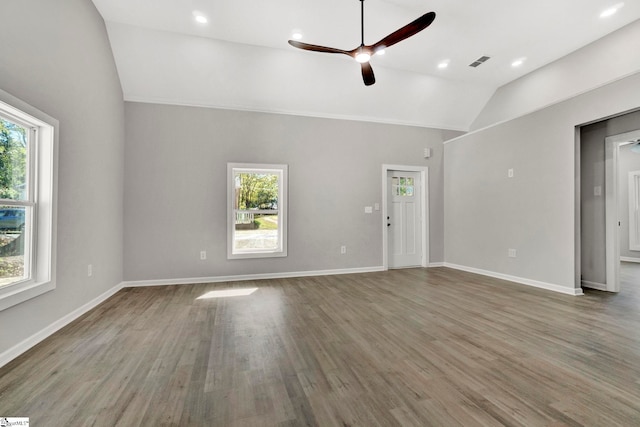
x=534 y=212
x=592 y=173
x=55 y=55
x=629 y=162
x=175 y=195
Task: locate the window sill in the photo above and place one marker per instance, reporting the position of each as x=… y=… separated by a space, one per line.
x=12 y=295
x=250 y=255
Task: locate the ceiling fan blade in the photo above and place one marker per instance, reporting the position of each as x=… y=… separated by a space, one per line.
x=367 y=74
x=407 y=31
x=316 y=48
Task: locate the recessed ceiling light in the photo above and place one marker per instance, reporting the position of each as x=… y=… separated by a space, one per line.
x=199 y=17
x=518 y=62
x=296 y=35
x=380 y=51
x=444 y=64
x=611 y=11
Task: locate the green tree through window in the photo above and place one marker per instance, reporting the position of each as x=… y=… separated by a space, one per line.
x=257 y=213
x=13 y=160
x=257 y=191
x=13 y=187
x=27 y=201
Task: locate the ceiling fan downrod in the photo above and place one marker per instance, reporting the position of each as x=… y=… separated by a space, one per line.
x=363 y=54
x=361 y=22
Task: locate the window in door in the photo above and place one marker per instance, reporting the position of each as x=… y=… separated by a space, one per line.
x=402 y=186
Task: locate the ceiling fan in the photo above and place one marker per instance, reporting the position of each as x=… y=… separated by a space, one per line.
x=363 y=53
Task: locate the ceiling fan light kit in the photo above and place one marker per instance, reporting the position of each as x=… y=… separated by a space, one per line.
x=363 y=56
x=363 y=53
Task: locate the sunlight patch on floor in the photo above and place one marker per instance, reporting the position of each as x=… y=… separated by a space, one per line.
x=226 y=293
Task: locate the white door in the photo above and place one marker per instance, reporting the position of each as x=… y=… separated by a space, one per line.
x=404 y=219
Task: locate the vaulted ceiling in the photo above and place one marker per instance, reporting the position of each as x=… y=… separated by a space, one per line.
x=241 y=59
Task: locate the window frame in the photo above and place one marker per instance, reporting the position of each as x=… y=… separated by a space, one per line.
x=278 y=169
x=40 y=233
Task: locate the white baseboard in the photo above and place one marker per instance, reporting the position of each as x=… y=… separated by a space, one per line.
x=521 y=280
x=629 y=259
x=594 y=285
x=436 y=264
x=242 y=277
x=34 y=339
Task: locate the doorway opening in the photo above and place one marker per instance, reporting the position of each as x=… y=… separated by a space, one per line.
x=405 y=219
x=609 y=202
x=622 y=181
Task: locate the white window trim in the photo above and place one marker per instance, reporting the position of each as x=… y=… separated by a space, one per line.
x=634 y=211
x=282 y=170
x=44 y=227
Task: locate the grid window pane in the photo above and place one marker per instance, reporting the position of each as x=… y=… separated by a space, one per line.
x=402 y=186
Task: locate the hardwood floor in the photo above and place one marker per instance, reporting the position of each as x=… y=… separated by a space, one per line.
x=413 y=347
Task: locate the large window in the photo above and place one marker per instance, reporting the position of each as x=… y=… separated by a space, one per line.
x=26 y=201
x=257 y=210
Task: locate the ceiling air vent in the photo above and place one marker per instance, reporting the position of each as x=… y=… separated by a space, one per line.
x=479 y=61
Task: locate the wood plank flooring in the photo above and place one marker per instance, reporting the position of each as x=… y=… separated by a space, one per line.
x=414 y=347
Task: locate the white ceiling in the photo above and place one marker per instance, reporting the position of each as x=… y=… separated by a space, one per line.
x=163 y=55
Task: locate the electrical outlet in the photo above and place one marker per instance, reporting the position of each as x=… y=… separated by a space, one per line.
x=597 y=190
x=512 y=253
x=90 y=270
x=343 y=249
x=510 y=173
x=203 y=255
